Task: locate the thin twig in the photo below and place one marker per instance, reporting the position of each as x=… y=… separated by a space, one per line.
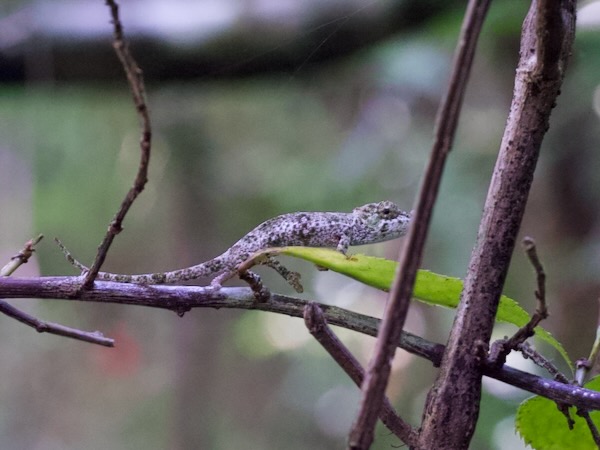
x=361 y=434
x=93 y=337
x=136 y=84
x=183 y=298
x=41 y=326
x=540 y=294
x=563 y=407
x=317 y=326
x=591 y=425
x=22 y=257
x=537 y=85
x=541 y=361
x=585 y=365
x=502 y=347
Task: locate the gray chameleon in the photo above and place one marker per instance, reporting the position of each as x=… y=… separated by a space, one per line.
x=367 y=224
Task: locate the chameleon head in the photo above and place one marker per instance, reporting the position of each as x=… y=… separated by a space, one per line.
x=381 y=221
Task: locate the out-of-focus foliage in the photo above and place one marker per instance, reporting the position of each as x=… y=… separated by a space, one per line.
x=228 y=154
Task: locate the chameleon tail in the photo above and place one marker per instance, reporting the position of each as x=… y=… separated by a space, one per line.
x=189 y=273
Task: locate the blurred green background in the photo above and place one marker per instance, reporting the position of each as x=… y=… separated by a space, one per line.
x=304 y=118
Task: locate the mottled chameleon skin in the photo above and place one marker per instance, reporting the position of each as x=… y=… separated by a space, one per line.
x=367 y=224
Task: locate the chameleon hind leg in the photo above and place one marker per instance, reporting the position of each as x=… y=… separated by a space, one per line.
x=293 y=278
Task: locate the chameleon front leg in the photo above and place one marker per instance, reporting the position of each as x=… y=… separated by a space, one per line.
x=343 y=244
x=342 y=247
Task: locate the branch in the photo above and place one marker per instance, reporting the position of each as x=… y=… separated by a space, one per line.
x=537 y=85
x=93 y=337
x=40 y=326
x=591 y=425
x=22 y=257
x=361 y=434
x=541 y=361
x=501 y=348
x=136 y=84
x=317 y=325
x=182 y=299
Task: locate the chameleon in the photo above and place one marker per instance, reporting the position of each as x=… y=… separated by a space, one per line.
x=367 y=224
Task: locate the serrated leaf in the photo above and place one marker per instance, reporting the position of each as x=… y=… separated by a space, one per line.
x=543 y=427
x=430 y=288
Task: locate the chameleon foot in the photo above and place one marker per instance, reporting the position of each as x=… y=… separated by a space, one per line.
x=261 y=293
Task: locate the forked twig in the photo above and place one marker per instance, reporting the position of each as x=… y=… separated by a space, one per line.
x=41 y=326
x=317 y=325
x=136 y=84
x=501 y=348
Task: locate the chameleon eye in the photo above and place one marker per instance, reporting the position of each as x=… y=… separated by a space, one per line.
x=385 y=211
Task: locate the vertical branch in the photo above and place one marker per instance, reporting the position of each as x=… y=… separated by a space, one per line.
x=136 y=84
x=361 y=435
x=537 y=85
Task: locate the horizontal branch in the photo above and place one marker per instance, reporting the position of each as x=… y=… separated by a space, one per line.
x=41 y=326
x=182 y=299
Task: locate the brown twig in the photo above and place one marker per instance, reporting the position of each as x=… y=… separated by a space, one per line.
x=584 y=366
x=582 y=369
x=184 y=298
x=540 y=294
x=361 y=434
x=136 y=84
x=563 y=407
x=22 y=257
x=93 y=337
x=537 y=85
x=317 y=326
x=591 y=425
x=541 y=361
x=40 y=326
x=502 y=347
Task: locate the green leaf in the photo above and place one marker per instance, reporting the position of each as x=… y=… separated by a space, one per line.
x=544 y=427
x=430 y=288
